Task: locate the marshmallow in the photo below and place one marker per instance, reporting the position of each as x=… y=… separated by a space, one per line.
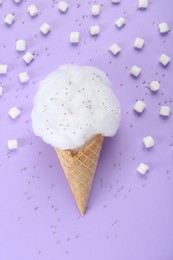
x=95 y=10
x=9 y=19
x=120 y=22
x=163 y=28
x=74 y=37
x=3 y=68
x=23 y=77
x=164 y=59
x=14 y=112
x=20 y=45
x=148 y=141
x=63 y=6
x=32 y=10
x=45 y=28
x=165 y=111
x=116 y=1
x=1 y=90
x=115 y=49
x=18 y=1
x=143 y=168
x=154 y=85
x=139 y=43
x=12 y=144
x=28 y=57
x=135 y=71
x=143 y=4
x=139 y=106
x=94 y=30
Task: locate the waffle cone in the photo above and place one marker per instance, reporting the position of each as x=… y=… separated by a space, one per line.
x=79 y=168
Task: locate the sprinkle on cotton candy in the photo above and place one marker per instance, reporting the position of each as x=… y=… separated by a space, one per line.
x=74 y=104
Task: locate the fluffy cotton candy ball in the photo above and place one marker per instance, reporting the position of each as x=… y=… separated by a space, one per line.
x=72 y=105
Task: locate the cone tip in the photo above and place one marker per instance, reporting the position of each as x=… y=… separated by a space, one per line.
x=82 y=211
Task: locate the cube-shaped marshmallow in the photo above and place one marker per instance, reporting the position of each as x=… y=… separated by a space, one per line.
x=14 y=112
x=148 y=141
x=28 y=57
x=23 y=77
x=116 y=1
x=139 y=43
x=63 y=6
x=95 y=9
x=45 y=28
x=115 y=49
x=154 y=85
x=12 y=144
x=164 y=59
x=120 y=22
x=143 y=4
x=3 y=68
x=20 y=45
x=163 y=28
x=165 y=111
x=32 y=10
x=9 y=19
x=135 y=71
x=74 y=37
x=1 y=90
x=139 y=106
x=94 y=30
x=143 y=168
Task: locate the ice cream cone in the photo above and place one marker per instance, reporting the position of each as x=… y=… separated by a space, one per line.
x=79 y=168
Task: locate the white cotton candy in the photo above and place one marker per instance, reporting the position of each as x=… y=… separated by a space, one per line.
x=72 y=105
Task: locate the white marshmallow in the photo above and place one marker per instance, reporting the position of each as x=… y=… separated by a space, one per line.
x=74 y=37
x=154 y=85
x=165 y=111
x=18 y=1
x=143 y=4
x=14 y=112
x=116 y=1
x=163 y=28
x=143 y=168
x=115 y=49
x=28 y=57
x=148 y=141
x=3 y=68
x=96 y=10
x=139 y=106
x=20 y=45
x=139 y=43
x=94 y=30
x=45 y=28
x=1 y=90
x=120 y=22
x=63 y=6
x=164 y=59
x=9 y=19
x=135 y=71
x=12 y=144
x=23 y=77
x=32 y=10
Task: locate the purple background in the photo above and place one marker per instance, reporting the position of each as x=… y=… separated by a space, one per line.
x=129 y=216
